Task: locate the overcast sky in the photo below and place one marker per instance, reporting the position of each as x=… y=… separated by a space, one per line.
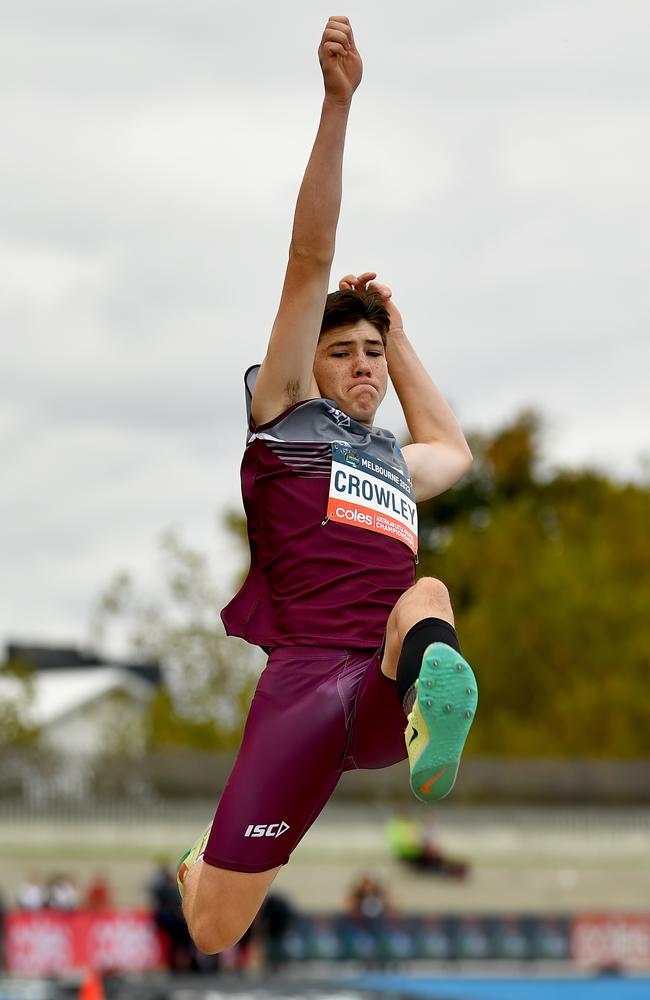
x=497 y=176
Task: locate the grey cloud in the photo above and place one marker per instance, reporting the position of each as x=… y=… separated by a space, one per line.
x=495 y=175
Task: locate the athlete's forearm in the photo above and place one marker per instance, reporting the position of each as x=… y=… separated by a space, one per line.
x=319 y=199
x=429 y=417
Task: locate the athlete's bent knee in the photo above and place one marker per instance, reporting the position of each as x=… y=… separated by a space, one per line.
x=433 y=589
x=211 y=935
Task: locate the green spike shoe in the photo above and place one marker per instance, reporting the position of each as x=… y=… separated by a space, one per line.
x=193 y=854
x=438 y=724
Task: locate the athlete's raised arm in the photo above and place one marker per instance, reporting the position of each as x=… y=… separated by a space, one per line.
x=286 y=373
x=439 y=454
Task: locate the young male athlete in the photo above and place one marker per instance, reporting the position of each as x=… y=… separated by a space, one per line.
x=354 y=643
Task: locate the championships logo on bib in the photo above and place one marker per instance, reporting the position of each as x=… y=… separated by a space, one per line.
x=372 y=495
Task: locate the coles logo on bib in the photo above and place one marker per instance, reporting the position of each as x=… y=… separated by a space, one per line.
x=372 y=495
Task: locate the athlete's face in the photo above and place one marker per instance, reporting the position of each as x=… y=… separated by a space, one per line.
x=350 y=369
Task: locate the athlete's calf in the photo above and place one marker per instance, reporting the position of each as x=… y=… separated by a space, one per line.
x=219 y=905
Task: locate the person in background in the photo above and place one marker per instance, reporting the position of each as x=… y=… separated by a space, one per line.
x=415 y=845
x=99 y=895
x=168 y=917
x=62 y=894
x=368 y=899
x=273 y=923
x=31 y=894
x=2 y=931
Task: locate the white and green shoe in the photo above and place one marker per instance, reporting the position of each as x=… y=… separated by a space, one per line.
x=438 y=724
x=193 y=854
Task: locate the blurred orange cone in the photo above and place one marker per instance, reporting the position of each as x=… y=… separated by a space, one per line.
x=91 y=987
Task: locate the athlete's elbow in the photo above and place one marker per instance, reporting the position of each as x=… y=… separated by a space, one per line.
x=312 y=254
x=464 y=462
x=460 y=461
x=460 y=457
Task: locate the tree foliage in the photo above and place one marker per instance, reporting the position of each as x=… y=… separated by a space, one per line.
x=16 y=696
x=548 y=576
x=209 y=677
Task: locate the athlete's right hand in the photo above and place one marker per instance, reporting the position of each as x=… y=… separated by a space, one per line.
x=340 y=61
x=365 y=283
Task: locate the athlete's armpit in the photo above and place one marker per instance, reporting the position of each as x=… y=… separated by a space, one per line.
x=293 y=392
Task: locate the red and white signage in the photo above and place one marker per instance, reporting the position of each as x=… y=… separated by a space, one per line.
x=47 y=942
x=605 y=940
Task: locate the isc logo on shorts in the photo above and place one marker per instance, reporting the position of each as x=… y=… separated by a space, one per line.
x=266 y=829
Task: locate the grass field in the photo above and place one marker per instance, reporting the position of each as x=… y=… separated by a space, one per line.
x=527 y=859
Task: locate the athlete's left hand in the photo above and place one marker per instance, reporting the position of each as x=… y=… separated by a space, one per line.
x=365 y=283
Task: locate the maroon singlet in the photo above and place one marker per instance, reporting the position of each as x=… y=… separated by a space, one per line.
x=314 y=580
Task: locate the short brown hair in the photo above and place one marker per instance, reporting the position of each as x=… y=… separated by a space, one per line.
x=349 y=306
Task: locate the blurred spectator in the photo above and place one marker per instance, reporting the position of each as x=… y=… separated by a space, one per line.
x=245 y=956
x=2 y=931
x=363 y=928
x=99 y=895
x=415 y=845
x=368 y=899
x=61 y=894
x=274 y=922
x=30 y=894
x=168 y=916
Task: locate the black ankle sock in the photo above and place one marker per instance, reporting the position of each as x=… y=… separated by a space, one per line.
x=417 y=639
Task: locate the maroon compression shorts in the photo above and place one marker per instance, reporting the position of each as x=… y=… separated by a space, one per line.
x=316 y=713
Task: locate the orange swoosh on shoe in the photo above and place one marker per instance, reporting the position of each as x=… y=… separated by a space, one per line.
x=427 y=784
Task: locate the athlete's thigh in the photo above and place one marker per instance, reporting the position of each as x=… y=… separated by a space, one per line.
x=378 y=724
x=289 y=762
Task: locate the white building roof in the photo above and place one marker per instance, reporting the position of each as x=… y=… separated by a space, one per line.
x=58 y=693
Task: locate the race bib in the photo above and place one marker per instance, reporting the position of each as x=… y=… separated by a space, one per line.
x=372 y=495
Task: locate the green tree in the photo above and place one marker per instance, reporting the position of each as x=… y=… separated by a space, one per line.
x=209 y=677
x=549 y=579
x=16 y=699
x=548 y=573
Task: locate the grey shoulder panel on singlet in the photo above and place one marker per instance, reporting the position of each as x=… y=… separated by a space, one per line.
x=250 y=379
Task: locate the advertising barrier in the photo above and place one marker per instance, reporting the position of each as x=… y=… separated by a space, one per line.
x=611 y=940
x=403 y=937
x=51 y=942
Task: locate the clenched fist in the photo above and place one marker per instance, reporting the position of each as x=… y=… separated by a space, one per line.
x=339 y=59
